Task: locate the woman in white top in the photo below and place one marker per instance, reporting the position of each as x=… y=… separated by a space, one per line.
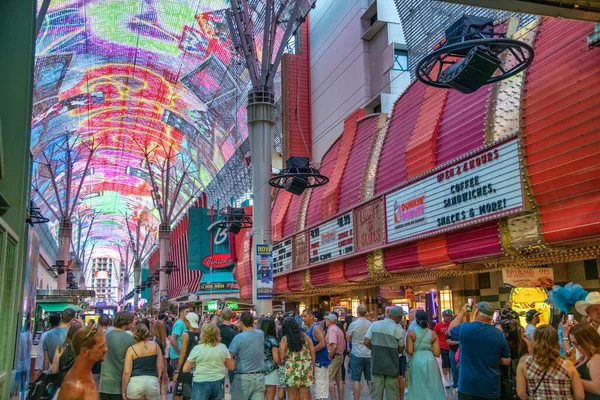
x=209 y=356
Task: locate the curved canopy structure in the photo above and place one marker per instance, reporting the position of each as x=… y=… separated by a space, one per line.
x=140 y=83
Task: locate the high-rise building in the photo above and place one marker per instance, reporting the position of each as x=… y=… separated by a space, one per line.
x=104 y=279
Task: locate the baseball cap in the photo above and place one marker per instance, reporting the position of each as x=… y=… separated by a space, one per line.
x=447 y=312
x=531 y=314
x=193 y=319
x=485 y=308
x=331 y=317
x=396 y=311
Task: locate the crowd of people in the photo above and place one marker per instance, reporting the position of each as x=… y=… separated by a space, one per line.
x=310 y=355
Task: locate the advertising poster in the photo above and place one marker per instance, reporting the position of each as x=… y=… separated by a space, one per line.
x=528 y=277
x=208 y=251
x=264 y=272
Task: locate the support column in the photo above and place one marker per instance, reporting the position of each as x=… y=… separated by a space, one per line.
x=77 y=273
x=137 y=272
x=261 y=119
x=164 y=237
x=64 y=238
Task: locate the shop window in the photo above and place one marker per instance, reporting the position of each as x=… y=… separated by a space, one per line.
x=400 y=60
x=445 y=297
x=485 y=281
x=591 y=269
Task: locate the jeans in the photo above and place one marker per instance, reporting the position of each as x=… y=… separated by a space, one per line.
x=382 y=383
x=248 y=387
x=214 y=390
x=454 y=366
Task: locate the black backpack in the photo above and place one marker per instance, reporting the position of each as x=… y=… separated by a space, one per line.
x=193 y=340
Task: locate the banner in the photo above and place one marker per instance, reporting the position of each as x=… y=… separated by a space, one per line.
x=528 y=277
x=208 y=251
x=333 y=239
x=486 y=185
x=264 y=272
x=370 y=225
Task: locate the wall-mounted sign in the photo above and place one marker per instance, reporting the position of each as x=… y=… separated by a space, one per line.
x=101 y=275
x=208 y=251
x=217 y=260
x=483 y=186
x=370 y=225
x=528 y=277
x=264 y=271
x=282 y=256
x=300 y=250
x=212 y=305
x=331 y=240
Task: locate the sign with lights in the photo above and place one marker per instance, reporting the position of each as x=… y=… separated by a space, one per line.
x=101 y=274
x=282 y=256
x=264 y=271
x=332 y=240
x=481 y=186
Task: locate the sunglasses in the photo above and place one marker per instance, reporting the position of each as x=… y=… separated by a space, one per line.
x=90 y=333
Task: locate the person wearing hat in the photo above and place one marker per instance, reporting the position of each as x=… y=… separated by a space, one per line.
x=189 y=339
x=590 y=307
x=483 y=348
x=385 y=339
x=336 y=345
x=440 y=329
x=533 y=318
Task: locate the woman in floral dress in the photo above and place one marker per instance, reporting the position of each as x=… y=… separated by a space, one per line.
x=298 y=356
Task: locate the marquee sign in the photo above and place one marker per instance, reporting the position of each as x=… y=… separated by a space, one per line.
x=282 y=256
x=332 y=240
x=483 y=186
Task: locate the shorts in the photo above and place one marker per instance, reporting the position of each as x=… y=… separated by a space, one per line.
x=360 y=366
x=143 y=386
x=321 y=383
x=272 y=379
x=335 y=368
x=109 y=396
x=403 y=365
x=445 y=358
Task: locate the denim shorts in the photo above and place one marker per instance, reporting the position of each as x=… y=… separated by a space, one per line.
x=358 y=366
x=214 y=390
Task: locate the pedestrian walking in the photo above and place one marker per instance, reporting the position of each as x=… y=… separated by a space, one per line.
x=336 y=346
x=272 y=360
x=247 y=350
x=545 y=374
x=586 y=339
x=423 y=345
x=54 y=322
x=482 y=349
x=143 y=365
x=385 y=339
x=322 y=361
x=440 y=330
x=57 y=336
x=360 y=356
x=89 y=345
x=189 y=339
x=175 y=338
x=209 y=357
x=118 y=341
x=160 y=338
x=297 y=352
x=64 y=356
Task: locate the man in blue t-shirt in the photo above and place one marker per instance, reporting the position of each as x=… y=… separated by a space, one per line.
x=482 y=349
x=175 y=338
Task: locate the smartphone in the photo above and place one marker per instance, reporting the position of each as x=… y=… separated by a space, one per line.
x=221 y=305
x=496 y=317
x=469 y=304
x=570 y=319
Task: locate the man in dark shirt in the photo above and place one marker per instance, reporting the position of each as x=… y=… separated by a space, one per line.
x=228 y=331
x=162 y=319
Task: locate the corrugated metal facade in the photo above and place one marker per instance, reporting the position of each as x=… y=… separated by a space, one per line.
x=313 y=216
x=561 y=128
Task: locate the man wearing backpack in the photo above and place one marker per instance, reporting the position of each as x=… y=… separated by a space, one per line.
x=189 y=339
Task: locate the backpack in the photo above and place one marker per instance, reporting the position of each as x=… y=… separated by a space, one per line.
x=193 y=340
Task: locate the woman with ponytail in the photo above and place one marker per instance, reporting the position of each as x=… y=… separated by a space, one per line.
x=425 y=380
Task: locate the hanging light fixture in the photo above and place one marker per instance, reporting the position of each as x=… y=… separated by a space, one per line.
x=471 y=57
x=235 y=220
x=59 y=267
x=169 y=267
x=297 y=176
